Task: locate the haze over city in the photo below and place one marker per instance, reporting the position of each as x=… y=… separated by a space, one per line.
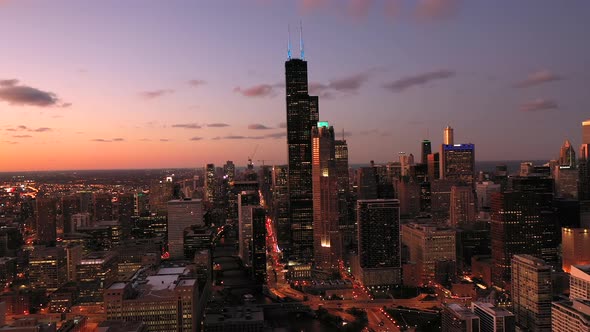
x=150 y=84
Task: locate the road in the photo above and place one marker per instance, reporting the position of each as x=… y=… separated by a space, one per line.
x=375 y=317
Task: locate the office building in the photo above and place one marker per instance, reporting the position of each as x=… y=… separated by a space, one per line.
x=462 y=209
x=366 y=183
x=326 y=233
x=427 y=245
x=448 y=137
x=47 y=268
x=258 y=245
x=580 y=282
x=456 y=318
x=567 y=155
x=96 y=272
x=522 y=222
x=575 y=247
x=484 y=192
x=125 y=210
x=234 y=319
x=102 y=206
x=196 y=239
x=181 y=215
x=280 y=206
x=70 y=205
x=493 y=319
x=165 y=301
x=74 y=253
x=161 y=191
x=566 y=182
x=458 y=163
x=570 y=316
x=46 y=219
x=433 y=164
x=246 y=201
x=302 y=114
x=426 y=150
x=531 y=293
x=210 y=183
x=379 y=247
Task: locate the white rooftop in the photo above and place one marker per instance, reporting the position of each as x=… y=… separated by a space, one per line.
x=171 y=270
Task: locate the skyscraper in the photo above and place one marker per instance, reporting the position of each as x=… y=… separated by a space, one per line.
x=258 y=247
x=247 y=200
x=586 y=132
x=426 y=150
x=46 y=218
x=456 y=318
x=181 y=215
x=531 y=293
x=462 y=209
x=448 y=138
x=327 y=240
x=433 y=161
x=493 y=319
x=302 y=114
x=567 y=155
x=210 y=183
x=103 y=206
x=458 y=163
x=379 y=245
x=280 y=206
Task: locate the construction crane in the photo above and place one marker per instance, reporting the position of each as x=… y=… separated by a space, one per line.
x=252 y=156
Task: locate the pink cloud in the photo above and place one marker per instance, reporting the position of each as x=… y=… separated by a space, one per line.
x=260 y=90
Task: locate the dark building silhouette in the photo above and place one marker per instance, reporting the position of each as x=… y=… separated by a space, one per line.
x=258 y=246
x=426 y=150
x=302 y=114
x=46 y=219
x=458 y=163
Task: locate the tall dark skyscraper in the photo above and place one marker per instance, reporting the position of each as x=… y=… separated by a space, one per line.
x=458 y=163
x=426 y=150
x=302 y=114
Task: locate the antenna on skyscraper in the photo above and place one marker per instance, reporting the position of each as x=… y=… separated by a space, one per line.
x=301 y=50
x=343 y=134
x=289 y=42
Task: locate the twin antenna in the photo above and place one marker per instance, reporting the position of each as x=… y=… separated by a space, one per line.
x=301 y=49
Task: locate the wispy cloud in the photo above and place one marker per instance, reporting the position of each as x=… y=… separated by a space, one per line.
x=164 y=140
x=417 y=80
x=105 y=140
x=217 y=125
x=260 y=90
x=277 y=135
x=258 y=126
x=25 y=128
x=22 y=136
x=538 y=78
x=237 y=137
x=196 y=138
x=539 y=105
x=196 y=83
x=187 y=125
x=41 y=130
x=17 y=94
x=152 y=94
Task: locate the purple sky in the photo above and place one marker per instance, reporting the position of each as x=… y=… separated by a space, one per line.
x=154 y=83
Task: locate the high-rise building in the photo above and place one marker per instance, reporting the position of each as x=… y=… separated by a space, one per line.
x=448 y=137
x=366 y=183
x=46 y=219
x=166 y=301
x=125 y=210
x=531 y=293
x=327 y=240
x=229 y=171
x=95 y=273
x=161 y=191
x=433 y=162
x=493 y=319
x=462 y=210
x=181 y=215
x=379 y=247
x=346 y=221
x=456 y=318
x=280 y=206
x=575 y=247
x=426 y=150
x=74 y=254
x=522 y=222
x=567 y=155
x=570 y=316
x=458 y=163
x=103 y=206
x=258 y=246
x=586 y=132
x=580 y=282
x=484 y=192
x=566 y=182
x=47 y=268
x=210 y=183
x=70 y=205
x=246 y=201
x=427 y=245
x=302 y=114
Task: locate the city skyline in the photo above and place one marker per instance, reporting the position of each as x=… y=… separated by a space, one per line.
x=109 y=85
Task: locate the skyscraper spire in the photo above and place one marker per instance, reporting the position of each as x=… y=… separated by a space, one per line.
x=301 y=49
x=289 y=42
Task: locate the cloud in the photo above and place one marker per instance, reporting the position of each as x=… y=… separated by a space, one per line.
x=145 y=140
x=22 y=136
x=164 y=140
x=187 y=126
x=23 y=95
x=10 y=142
x=103 y=140
x=283 y=125
x=436 y=9
x=260 y=90
x=41 y=130
x=539 y=105
x=277 y=135
x=258 y=126
x=65 y=105
x=196 y=83
x=237 y=137
x=349 y=83
x=25 y=128
x=217 y=125
x=196 y=138
x=416 y=80
x=155 y=93
x=538 y=78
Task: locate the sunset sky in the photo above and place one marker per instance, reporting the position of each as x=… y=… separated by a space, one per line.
x=166 y=83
